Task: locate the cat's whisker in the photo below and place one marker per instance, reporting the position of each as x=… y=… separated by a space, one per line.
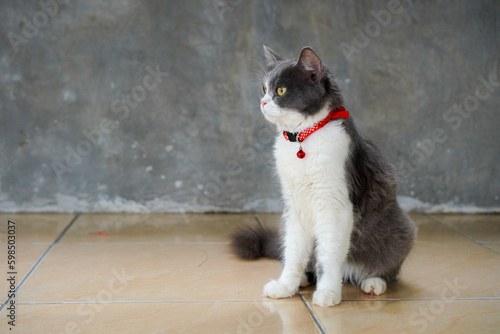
x=258 y=78
x=262 y=67
x=260 y=74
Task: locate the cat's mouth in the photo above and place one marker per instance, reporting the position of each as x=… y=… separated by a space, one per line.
x=268 y=113
x=270 y=110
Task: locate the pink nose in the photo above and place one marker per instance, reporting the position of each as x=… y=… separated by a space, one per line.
x=263 y=103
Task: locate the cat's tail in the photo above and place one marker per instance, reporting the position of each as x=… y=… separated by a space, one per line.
x=253 y=243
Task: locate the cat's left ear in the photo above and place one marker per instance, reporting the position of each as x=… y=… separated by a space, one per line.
x=272 y=57
x=310 y=62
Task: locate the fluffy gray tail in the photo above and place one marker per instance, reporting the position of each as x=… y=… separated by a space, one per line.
x=253 y=243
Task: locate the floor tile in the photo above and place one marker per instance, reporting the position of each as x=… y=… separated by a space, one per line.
x=208 y=317
x=441 y=259
x=175 y=273
x=270 y=220
x=494 y=245
x=425 y=316
x=26 y=256
x=34 y=233
x=35 y=227
x=485 y=228
x=99 y=228
x=138 y=272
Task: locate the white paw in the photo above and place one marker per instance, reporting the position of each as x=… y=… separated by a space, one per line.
x=325 y=298
x=373 y=286
x=304 y=281
x=275 y=289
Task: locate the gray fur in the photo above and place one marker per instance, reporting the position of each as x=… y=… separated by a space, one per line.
x=382 y=235
x=308 y=89
x=253 y=243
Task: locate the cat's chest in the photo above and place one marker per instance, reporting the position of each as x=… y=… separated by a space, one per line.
x=326 y=151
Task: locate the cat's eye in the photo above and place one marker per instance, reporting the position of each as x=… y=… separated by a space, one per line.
x=264 y=89
x=281 y=91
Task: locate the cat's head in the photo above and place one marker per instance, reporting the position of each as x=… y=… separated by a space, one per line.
x=297 y=92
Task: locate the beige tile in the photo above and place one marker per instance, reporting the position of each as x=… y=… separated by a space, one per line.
x=26 y=256
x=270 y=220
x=183 y=278
x=480 y=227
x=35 y=227
x=449 y=270
x=161 y=318
x=440 y=259
x=138 y=272
x=429 y=316
x=155 y=227
x=493 y=245
x=442 y=264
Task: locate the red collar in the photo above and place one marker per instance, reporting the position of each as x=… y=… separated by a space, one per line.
x=340 y=112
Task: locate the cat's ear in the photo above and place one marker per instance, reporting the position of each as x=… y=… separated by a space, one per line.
x=271 y=57
x=311 y=64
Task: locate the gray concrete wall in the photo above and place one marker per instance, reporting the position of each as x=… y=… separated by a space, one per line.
x=85 y=126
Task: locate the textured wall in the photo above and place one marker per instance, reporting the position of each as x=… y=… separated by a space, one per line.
x=129 y=105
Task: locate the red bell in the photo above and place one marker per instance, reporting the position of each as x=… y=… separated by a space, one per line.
x=301 y=154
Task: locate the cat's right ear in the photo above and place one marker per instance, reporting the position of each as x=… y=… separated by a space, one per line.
x=271 y=57
x=311 y=64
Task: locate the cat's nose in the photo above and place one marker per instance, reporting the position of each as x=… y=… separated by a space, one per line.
x=264 y=100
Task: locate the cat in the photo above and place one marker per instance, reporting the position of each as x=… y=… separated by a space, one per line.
x=341 y=220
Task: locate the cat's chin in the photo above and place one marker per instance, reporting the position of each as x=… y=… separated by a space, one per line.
x=284 y=120
x=280 y=125
x=294 y=121
x=267 y=115
x=271 y=118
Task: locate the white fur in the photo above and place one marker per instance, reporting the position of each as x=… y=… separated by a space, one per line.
x=318 y=211
x=374 y=286
x=304 y=281
x=353 y=273
x=370 y=285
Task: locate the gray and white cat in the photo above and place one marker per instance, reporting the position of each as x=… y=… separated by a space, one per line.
x=341 y=220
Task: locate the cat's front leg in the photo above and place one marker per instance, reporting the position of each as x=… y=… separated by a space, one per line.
x=333 y=233
x=298 y=246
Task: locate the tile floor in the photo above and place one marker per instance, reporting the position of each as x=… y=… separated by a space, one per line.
x=175 y=274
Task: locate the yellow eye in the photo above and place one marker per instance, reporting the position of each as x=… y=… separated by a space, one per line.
x=281 y=91
x=264 y=89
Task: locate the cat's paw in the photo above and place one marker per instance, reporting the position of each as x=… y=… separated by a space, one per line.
x=304 y=281
x=275 y=289
x=373 y=286
x=325 y=298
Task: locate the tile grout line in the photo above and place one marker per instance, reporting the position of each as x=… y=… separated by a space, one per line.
x=151 y=243
x=258 y=220
x=488 y=247
x=462 y=234
x=418 y=299
x=318 y=323
x=248 y=301
x=35 y=265
x=155 y=302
